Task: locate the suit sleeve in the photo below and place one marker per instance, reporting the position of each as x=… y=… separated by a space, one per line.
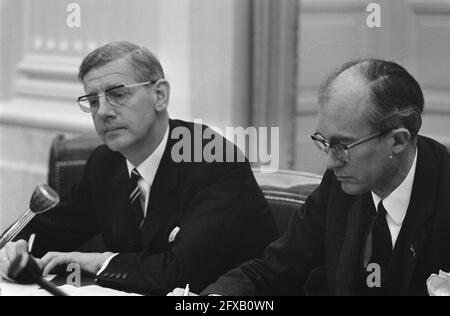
x=287 y=261
x=224 y=223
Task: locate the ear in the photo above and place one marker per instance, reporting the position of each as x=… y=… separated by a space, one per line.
x=402 y=138
x=162 y=94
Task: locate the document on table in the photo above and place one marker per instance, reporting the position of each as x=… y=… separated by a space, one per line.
x=13 y=289
x=90 y=290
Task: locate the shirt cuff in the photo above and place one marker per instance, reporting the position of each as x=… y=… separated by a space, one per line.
x=105 y=265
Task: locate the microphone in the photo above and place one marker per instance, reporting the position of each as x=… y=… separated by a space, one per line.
x=43 y=199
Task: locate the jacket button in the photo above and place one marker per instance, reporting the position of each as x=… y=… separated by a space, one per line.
x=125 y=276
x=112 y=275
x=118 y=276
x=105 y=275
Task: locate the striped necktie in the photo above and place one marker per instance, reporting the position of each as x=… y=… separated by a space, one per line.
x=135 y=198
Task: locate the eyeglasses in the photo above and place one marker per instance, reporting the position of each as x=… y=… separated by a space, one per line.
x=116 y=96
x=341 y=151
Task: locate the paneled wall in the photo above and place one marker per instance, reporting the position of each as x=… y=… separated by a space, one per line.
x=413 y=33
x=430 y=53
x=202 y=44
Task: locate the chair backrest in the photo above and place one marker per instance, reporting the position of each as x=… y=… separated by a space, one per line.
x=68 y=156
x=285 y=190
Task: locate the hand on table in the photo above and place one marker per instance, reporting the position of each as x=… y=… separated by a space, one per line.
x=14 y=257
x=90 y=262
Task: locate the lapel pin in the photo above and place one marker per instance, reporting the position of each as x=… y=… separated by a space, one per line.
x=173 y=234
x=413 y=251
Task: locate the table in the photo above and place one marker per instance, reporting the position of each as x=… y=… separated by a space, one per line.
x=88 y=288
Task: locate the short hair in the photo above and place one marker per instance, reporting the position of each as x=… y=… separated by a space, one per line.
x=396 y=98
x=147 y=67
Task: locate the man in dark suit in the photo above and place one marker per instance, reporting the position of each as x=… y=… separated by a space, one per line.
x=165 y=221
x=379 y=223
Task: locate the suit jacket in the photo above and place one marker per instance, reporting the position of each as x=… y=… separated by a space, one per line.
x=321 y=250
x=223 y=218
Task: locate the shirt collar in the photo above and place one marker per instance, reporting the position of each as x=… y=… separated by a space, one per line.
x=149 y=166
x=397 y=203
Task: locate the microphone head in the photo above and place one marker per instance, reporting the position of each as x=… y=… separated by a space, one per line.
x=43 y=199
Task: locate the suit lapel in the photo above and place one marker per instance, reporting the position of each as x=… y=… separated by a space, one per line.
x=162 y=201
x=348 y=265
x=415 y=227
x=161 y=204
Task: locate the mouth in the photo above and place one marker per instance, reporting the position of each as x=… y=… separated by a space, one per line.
x=112 y=129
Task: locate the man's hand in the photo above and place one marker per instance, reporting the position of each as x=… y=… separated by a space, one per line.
x=180 y=292
x=90 y=262
x=14 y=258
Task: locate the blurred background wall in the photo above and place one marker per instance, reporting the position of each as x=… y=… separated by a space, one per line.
x=229 y=62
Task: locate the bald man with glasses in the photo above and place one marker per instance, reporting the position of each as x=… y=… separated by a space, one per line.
x=379 y=223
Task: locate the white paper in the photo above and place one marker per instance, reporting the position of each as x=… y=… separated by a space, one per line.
x=13 y=289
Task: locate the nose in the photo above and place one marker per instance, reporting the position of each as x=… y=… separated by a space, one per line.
x=105 y=109
x=333 y=162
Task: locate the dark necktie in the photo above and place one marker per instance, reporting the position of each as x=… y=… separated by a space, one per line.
x=135 y=198
x=378 y=245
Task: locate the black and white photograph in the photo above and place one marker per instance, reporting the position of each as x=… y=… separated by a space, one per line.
x=236 y=151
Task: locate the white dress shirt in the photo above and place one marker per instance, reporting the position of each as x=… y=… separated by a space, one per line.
x=147 y=169
x=397 y=203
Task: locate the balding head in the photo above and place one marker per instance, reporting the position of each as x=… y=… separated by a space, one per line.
x=394 y=98
x=352 y=91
